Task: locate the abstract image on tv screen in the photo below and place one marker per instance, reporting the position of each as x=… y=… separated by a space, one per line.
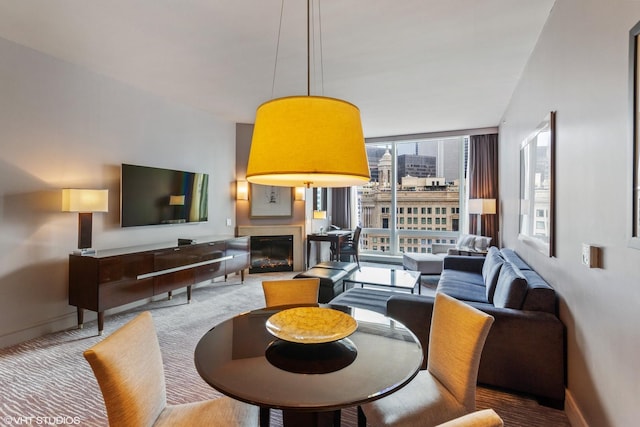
x=153 y=196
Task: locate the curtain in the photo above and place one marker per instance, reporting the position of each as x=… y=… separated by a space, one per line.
x=341 y=207
x=483 y=181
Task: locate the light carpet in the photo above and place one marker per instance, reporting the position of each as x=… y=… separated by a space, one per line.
x=48 y=376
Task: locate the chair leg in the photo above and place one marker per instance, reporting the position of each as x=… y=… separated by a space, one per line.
x=362 y=419
x=337 y=418
x=265 y=417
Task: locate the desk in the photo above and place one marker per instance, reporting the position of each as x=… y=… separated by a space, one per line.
x=232 y=358
x=336 y=238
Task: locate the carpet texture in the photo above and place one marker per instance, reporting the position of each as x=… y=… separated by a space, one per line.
x=48 y=376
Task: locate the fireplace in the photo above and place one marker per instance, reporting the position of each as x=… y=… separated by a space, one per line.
x=271 y=253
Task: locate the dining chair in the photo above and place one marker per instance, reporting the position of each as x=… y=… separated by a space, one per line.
x=447 y=388
x=128 y=367
x=483 y=418
x=291 y=291
x=352 y=246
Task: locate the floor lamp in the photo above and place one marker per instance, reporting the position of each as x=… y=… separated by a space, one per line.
x=481 y=207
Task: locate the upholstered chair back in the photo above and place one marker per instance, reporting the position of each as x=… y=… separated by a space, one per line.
x=458 y=333
x=128 y=367
x=483 y=418
x=291 y=291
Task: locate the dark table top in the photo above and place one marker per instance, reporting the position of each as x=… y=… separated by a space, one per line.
x=240 y=358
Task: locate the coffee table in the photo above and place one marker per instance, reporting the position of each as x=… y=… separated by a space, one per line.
x=387 y=277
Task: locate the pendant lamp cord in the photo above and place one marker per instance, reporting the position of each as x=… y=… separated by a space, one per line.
x=308 y=48
x=275 y=64
x=311 y=21
x=320 y=37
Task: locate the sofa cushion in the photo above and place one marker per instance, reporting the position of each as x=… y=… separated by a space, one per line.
x=511 y=256
x=511 y=288
x=540 y=295
x=370 y=299
x=463 y=291
x=462 y=285
x=491 y=270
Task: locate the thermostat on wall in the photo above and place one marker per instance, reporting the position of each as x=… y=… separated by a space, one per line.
x=590 y=255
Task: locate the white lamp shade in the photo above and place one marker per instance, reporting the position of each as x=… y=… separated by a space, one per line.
x=299 y=193
x=482 y=206
x=242 y=190
x=84 y=200
x=308 y=141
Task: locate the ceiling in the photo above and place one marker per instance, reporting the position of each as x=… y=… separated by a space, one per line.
x=411 y=66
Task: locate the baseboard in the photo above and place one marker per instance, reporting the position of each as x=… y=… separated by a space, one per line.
x=573 y=411
x=59 y=323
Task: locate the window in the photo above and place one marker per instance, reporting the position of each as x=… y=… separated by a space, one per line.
x=416 y=179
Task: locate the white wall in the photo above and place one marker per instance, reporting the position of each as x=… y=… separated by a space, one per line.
x=63 y=126
x=580 y=69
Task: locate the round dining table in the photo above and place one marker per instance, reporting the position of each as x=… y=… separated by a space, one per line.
x=310 y=383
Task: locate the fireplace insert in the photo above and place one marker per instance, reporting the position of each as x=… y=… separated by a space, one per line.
x=271 y=253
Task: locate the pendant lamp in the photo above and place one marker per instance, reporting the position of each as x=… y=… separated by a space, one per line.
x=311 y=141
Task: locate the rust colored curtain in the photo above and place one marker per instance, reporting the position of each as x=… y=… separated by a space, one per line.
x=340 y=207
x=483 y=181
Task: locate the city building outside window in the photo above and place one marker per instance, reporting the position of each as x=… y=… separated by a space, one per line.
x=422 y=175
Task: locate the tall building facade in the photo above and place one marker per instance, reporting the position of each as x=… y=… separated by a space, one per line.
x=422 y=203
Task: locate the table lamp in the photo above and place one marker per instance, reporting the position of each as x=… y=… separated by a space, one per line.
x=481 y=207
x=85 y=202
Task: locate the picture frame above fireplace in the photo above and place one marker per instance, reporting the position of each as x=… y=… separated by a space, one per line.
x=268 y=201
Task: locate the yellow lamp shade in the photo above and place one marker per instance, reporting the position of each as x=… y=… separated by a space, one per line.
x=83 y=200
x=308 y=141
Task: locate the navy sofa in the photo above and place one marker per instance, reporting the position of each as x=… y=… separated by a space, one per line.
x=525 y=349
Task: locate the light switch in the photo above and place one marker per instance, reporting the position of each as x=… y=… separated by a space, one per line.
x=228 y=222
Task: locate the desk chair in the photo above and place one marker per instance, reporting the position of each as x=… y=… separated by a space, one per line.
x=352 y=247
x=447 y=388
x=291 y=291
x=128 y=367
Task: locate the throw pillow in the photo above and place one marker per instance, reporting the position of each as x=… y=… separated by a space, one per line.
x=466 y=241
x=482 y=243
x=511 y=288
x=490 y=271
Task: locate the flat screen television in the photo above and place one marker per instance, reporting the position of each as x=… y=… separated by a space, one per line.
x=154 y=196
